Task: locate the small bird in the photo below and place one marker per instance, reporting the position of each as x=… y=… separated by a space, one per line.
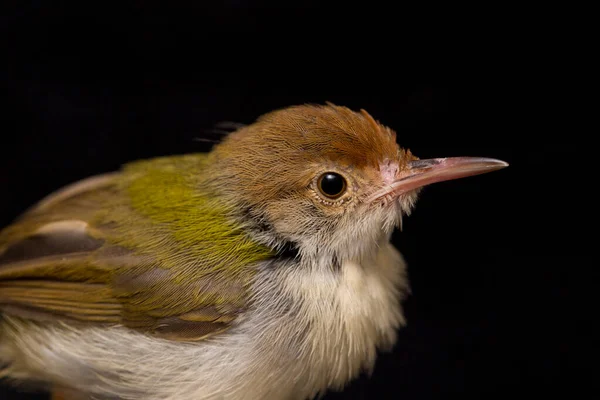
x=262 y=269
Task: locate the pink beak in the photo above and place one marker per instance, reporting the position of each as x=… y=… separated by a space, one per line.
x=425 y=172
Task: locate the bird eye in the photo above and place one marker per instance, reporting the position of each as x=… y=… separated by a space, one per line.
x=332 y=184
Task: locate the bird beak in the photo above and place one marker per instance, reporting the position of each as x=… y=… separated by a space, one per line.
x=425 y=172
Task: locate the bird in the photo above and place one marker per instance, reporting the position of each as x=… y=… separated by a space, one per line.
x=260 y=269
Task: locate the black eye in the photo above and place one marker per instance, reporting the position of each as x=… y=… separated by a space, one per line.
x=331 y=184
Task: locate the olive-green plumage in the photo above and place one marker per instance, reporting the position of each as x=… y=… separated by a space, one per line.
x=162 y=252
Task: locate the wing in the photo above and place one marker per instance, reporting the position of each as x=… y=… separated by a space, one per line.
x=103 y=251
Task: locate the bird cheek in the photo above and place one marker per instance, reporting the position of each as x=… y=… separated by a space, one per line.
x=286 y=217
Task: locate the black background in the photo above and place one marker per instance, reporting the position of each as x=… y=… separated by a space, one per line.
x=497 y=262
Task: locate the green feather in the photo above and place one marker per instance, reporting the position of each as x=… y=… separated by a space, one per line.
x=171 y=216
x=170 y=194
x=171 y=247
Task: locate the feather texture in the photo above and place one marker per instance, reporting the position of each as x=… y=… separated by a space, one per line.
x=141 y=248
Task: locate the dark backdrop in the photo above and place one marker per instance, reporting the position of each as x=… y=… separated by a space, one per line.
x=497 y=262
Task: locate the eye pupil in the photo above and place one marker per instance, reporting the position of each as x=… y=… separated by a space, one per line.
x=332 y=184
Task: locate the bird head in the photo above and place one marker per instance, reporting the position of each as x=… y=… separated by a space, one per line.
x=329 y=180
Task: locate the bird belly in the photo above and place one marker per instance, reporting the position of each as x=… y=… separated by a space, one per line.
x=310 y=329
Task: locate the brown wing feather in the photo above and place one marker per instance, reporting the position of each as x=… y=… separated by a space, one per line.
x=56 y=265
